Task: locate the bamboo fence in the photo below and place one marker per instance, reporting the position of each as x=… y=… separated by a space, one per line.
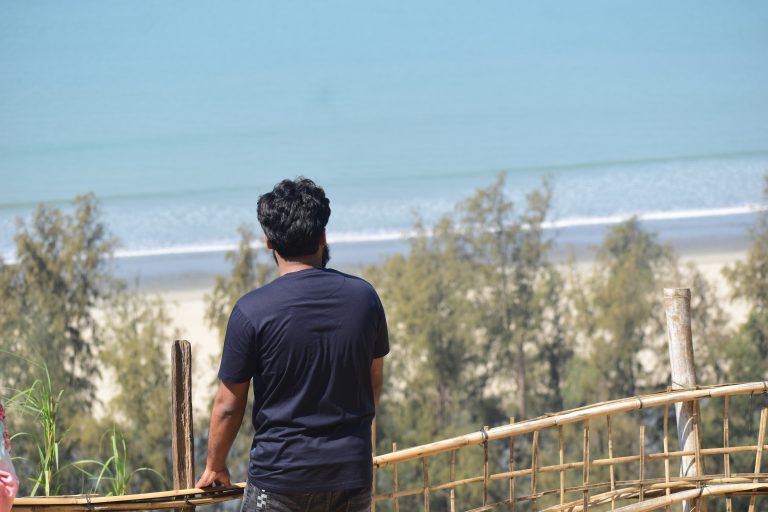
x=515 y=473
x=608 y=456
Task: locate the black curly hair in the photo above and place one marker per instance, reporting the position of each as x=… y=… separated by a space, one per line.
x=293 y=216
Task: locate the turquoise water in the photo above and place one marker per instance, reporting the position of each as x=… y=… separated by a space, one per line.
x=178 y=115
x=200 y=215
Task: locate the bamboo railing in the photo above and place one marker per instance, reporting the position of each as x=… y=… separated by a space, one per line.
x=591 y=481
x=525 y=465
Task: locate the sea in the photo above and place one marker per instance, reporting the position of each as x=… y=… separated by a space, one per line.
x=400 y=111
x=170 y=228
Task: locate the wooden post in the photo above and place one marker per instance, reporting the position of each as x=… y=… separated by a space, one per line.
x=395 y=488
x=182 y=444
x=677 y=306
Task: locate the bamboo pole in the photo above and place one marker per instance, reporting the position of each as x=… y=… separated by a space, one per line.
x=610 y=456
x=726 y=444
x=759 y=454
x=561 y=447
x=486 y=469
x=641 y=450
x=394 y=480
x=511 y=466
x=453 y=479
x=425 y=472
x=690 y=495
x=585 y=471
x=534 y=468
x=182 y=439
x=677 y=306
x=164 y=499
x=572 y=416
x=666 y=450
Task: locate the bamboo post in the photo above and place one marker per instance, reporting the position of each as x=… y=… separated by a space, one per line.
x=511 y=465
x=667 y=490
x=534 y=468
x=758 y=454
x=486 y=471
x=585 y=473
x=726 y=445
x=562 y=463
x=425 y=470
x=182 y=443
x=610 y=456
x=642 y=463
x=394 y=480
x=677 y=306
x=453 y=479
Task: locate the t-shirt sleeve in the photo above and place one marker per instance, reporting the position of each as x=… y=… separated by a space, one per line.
x=381 y=343
x=238 y=360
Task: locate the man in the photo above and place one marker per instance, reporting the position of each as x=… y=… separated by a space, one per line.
x=312 y=341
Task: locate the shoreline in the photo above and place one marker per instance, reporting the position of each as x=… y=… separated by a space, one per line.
x=689 y=237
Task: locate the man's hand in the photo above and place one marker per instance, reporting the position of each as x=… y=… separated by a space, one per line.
x=226 y=416
x=214 y=477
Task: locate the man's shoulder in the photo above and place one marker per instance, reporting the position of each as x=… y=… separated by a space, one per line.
x=258 y=298
x=355 y=283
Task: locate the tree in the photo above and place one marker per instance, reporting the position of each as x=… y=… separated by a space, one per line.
x=248 y=273
x=136 y=352
x=509 y=251
x=620 y=315
x=749 y=279
x=430 y=387
x=48 y=297
x=711 y=332
x=554 y=341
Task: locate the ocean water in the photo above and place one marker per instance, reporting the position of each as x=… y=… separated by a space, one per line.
x=179 y=116
x=164 y=216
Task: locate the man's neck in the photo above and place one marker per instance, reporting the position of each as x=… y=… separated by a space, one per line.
x=298 y=263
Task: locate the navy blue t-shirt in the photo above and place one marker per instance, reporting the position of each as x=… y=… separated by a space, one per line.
x=307 y=340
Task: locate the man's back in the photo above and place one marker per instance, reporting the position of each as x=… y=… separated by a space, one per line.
x=307 y=339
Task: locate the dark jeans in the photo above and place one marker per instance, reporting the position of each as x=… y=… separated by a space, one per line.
x=349 y=500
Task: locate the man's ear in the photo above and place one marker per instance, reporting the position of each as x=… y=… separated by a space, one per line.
x=267 y=241
x=323 y=241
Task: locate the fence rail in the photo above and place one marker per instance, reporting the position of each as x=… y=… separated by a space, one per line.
x=528 y=446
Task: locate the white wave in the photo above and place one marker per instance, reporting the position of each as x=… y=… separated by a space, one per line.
x=661 y=215
x=394 y=234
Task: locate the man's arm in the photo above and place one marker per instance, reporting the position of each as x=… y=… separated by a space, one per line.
x=377 y=378
x=226 y=417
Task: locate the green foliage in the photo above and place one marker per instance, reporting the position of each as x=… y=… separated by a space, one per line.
x=748 y=350
x=711 y=330
x=508 y=251
x=114 y=472
x=136 y=352
x=248 y=273
x=47 y=299
x=42 y=402
x=620 y=314
x=429 y=374
x=470 y=300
